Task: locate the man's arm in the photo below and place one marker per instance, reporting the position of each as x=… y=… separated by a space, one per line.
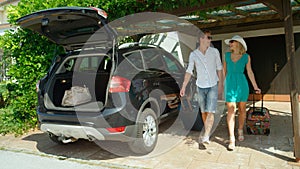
x=220 y=85
x=188 y=74
x=187 y=78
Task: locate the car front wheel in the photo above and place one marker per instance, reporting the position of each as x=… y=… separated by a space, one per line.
x=147 y=132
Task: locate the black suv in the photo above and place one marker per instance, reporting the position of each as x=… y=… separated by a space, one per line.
x=133 y=88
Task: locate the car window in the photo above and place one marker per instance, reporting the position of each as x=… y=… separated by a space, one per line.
x=86 y=64
x=172 y=65
x=67 y=66
x=89 y=64
x=135 y=59
x=93 y=64
x=153 y=59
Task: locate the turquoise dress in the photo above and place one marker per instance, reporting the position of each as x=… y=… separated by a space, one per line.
x=236 y=85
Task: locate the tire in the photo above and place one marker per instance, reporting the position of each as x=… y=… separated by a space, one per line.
x=192 y=120
x=191 y=117
x=147 y=133
x=198 y=125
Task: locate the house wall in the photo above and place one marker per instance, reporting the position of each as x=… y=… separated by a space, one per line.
x=4 y=25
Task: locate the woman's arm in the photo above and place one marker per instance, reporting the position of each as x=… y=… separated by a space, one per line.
x=251 y=76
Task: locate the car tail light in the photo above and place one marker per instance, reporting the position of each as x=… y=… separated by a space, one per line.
x=37 y=86
x=100 y=12
x=116 y=129
x=119 y=84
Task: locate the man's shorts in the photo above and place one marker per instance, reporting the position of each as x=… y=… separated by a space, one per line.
x=208 y=98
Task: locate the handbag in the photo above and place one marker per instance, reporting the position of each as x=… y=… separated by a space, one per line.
x=76 y=95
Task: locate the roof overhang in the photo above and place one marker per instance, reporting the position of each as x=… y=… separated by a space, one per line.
x=238 y=15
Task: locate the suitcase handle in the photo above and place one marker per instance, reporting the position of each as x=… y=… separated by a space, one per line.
x=262 y=98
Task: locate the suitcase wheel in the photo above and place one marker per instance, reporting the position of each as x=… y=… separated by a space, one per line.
x=249 y=130
x=267 y=132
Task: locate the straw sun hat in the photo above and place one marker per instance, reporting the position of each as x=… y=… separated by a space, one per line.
x=239 y=39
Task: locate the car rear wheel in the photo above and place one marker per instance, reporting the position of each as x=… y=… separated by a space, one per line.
x=147 y=132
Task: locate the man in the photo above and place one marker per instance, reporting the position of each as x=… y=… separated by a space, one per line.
x=209 y=83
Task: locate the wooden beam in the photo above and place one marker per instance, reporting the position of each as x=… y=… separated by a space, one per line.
x=247 y=23
x=242 y=28
x=290 y=54
x=209 y=4
x=275 y=5
x=246 y=20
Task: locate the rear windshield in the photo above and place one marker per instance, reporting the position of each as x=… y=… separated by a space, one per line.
x=91 y=64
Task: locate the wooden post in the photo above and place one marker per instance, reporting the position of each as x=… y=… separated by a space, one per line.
x=290 y=53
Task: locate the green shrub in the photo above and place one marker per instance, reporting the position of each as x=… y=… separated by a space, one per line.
x=3 y=94
x=10 y=124
x=29 y=63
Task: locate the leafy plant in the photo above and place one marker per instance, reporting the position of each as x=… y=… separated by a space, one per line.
x=29 y=63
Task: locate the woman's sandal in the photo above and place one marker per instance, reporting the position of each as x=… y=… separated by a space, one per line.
x=240 y=135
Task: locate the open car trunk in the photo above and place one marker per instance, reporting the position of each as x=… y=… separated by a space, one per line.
x=91 y=72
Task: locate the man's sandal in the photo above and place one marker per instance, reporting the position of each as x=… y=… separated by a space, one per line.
x=231 y=145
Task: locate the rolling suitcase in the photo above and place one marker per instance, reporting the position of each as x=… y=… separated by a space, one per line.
x=258 y=119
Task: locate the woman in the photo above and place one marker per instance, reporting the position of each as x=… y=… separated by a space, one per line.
x=236 y=86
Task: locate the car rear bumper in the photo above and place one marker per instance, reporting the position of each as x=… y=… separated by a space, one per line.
x=91 y=125
x=86 y=132
x=88 y=125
